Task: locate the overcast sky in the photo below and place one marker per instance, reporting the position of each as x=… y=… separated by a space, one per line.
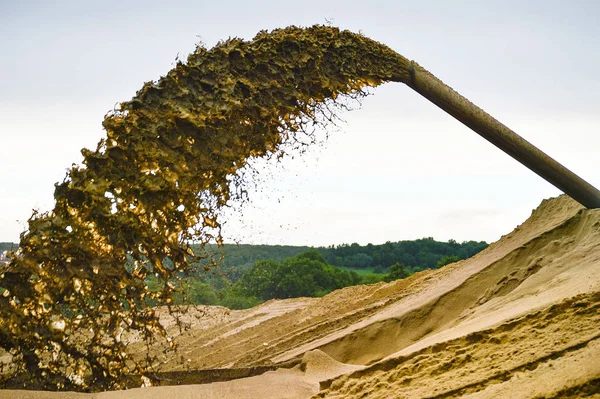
x=399 y=168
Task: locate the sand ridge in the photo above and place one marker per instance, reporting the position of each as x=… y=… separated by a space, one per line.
x=335 y=322
x=520 y=319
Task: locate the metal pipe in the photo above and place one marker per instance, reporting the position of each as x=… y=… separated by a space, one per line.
x=502 y=137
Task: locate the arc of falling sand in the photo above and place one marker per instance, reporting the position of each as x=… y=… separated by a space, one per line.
x=165 y=99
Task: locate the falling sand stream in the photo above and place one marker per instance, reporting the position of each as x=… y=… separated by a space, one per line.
x=169 y=164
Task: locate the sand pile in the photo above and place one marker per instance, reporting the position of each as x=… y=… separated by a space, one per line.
x=520 y=319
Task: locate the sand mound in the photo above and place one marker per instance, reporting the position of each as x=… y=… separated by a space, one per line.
x=520 y=319
x=502 y=355
x=280 y=384
x=318 y=366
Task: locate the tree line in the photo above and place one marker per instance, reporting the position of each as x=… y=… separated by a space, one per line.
x=247 y=275
x=242 y=276
x=424 y=253
x=415 y=255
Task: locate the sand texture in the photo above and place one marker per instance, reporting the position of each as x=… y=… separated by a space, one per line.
x=519 y=320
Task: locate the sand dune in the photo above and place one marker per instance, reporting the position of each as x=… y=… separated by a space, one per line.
x=521 y=320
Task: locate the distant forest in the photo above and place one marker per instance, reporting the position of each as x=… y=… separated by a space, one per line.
x=424 y=253
x=7 y=246
x=415 y=255
x=245 y=275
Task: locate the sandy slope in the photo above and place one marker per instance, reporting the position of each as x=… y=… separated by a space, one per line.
x=520 y=319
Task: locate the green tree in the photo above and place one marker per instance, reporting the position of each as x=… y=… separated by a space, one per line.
x=446 y=260
x=359 y=261
x=379 y=269
x=234 y=298
x=307 y=274
x=199 y=293
x=261 y=280
x=372 y=279
x=397 y=272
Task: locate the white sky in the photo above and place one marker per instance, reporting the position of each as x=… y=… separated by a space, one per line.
x=400 y=168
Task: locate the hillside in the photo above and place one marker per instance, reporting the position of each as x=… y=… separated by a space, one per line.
x=7 y=246
x=520 y=319
x=416 y=255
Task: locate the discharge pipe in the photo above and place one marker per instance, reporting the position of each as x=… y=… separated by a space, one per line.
x=501 y=136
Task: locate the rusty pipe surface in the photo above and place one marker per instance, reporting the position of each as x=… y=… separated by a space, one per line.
x=502 y=137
